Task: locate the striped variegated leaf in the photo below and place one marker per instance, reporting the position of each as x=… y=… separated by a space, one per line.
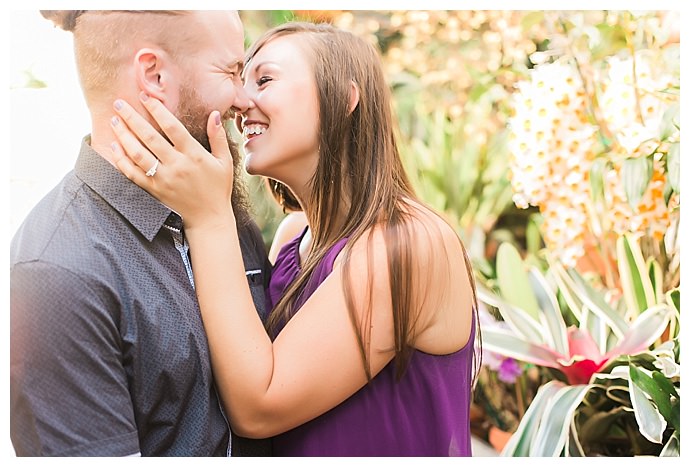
x=646 y=329
x=672 y=447
x=638 y=291
x=596 y=303
x=596 y=327
x=650 y=422
x=507 y=344
x=520 y=444
x=556 y=334
x=555 y=422
x=520 y=322
x=565 y=286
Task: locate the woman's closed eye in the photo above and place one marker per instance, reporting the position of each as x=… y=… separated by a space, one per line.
x=263 y=80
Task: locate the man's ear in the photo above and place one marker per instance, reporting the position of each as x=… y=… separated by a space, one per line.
x=354 y=97
x=152 y=72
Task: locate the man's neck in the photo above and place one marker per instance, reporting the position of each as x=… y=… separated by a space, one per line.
x=102 y=136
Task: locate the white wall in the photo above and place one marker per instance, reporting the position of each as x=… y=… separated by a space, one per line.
x=46 y=125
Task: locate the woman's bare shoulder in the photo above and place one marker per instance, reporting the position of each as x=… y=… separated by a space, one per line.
x=291 y=226
x=442 y=279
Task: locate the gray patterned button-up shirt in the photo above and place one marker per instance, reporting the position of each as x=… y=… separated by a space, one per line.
x=108 y=354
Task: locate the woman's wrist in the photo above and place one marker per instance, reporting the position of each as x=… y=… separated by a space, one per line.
x=218 y=222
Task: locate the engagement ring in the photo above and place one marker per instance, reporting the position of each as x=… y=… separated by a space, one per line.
x=152 y=170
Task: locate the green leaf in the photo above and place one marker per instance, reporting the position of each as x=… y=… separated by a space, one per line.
x=557 y=333
x=520 y=443
x=661 y=391
x=281 y=16
x=596 y=178
x=612 y=40
x=640 y=360
x=670 y=122
x=521 y=323
x=574 y=446
x=533 y=237
x=555 y=421
x=673 y=299
x=649 y=420
x=636 y=173
x=33 y=82
x=596 y=327
x=666 y=386
x=477 y=91
x=673 y=166
x=564 y=287
x=597 y=304
x=597 y=426
x=672 y=447
x=504 y=343
x=656 y=279
x=513 y=281
x=646 y=329
x=637 y=287
x=532 y=19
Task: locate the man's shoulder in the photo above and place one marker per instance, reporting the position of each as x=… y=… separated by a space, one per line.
x=59 y=225
x=38 y=228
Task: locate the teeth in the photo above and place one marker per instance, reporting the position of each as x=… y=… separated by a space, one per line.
x=253 y=130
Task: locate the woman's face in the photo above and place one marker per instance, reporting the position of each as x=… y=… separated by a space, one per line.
x=280 y=128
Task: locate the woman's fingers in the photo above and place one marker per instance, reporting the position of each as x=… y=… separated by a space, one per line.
x=180 y=170
x=144 y=131
x=217 y=137
x=169 y=124
x=128 y=168
x=133 y=148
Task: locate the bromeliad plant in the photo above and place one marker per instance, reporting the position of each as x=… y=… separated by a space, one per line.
x=610 y=379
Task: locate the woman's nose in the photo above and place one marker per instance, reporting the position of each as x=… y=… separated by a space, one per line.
x=242 y=115
x=241 y=103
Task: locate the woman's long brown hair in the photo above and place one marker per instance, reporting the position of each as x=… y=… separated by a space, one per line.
x=360 y=168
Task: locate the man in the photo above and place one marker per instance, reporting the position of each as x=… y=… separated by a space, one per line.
x=108 y=352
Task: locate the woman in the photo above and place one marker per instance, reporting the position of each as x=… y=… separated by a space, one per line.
x=369 y=348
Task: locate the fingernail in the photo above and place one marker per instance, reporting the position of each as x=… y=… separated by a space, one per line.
x=118 y=104
x=218 y=118
x=143 y=96
x=113 y=146
x=114 y=121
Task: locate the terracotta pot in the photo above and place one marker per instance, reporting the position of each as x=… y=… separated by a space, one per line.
x=498 y=438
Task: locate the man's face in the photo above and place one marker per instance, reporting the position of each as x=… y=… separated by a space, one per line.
x=212 y=77
x=193 y=112
x=212 y=82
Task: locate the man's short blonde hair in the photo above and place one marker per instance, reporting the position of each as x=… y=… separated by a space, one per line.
x=104 y=40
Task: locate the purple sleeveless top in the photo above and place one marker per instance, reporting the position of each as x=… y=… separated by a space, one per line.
x=426 y=413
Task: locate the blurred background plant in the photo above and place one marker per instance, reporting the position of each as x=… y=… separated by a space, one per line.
x=595 y=144
x=551 y=141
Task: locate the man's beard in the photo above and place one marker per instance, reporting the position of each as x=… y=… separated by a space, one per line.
x=194 y=116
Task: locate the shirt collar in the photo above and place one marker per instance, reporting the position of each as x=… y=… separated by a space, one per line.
x=142 y=210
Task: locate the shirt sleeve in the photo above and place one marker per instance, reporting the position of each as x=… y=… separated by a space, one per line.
x=257 y=266
x=68 y=389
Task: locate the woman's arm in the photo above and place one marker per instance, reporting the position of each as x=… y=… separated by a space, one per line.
x=315 y=363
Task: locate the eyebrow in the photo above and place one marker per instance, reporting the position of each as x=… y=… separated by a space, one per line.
x=262 y=64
